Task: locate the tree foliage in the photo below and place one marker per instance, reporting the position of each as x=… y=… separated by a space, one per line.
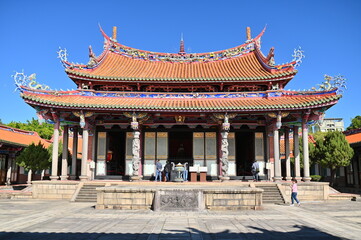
x=355 y=123
x=45 y=130
x=34 y=157
x=332 y=151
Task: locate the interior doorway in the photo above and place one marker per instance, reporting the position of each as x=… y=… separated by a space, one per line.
x=115 y=159
x=244 y=153
x=180 y=147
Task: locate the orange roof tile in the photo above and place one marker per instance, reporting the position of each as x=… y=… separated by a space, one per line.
x=354 y=138
x=232 y=102
x=122 y=63
x=20 y=137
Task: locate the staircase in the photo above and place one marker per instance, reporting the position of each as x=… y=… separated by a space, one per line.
x=88 y=193
x=271 y=194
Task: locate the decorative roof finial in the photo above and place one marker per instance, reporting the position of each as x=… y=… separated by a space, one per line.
x=115 y=33
x=248 y=33
x=181 y=49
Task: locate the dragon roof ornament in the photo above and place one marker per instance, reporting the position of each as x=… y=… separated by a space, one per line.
x=337 y=82
x=22 y=80
x=297 y=56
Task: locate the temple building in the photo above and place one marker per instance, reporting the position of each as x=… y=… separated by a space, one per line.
x=221 y=110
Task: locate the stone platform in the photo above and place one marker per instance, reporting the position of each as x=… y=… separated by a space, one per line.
x=179 y=197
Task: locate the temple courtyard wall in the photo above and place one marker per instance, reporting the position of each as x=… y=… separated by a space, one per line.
x=232 y=195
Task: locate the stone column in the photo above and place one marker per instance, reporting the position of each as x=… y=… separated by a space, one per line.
x=84 y=157
x=8 y=173
x=296 y=153
x=224 y=158
x=276 y=147
x=30 y=172
x=75 y=153
x=136 y=156
x=287 y=153
x=306 y=159
x=135 y=150
x=54 y=165
x=64 y=155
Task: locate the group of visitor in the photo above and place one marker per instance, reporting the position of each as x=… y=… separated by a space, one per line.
x=167 y=171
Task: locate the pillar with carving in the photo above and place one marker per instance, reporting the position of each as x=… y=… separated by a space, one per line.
x=224 y=149
x=54 y=162
x=64 y=156
x=135 y=151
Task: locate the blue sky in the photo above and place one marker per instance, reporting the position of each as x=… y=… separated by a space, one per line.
x=31 y=32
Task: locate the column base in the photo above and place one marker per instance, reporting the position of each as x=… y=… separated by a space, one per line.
x=83 y=178
x=64 y=178
x=224 y=179
x=54 y=178
x=136 y=178
x=72 y=177
x=288 y=178
x=277 y=179
x=298 y=178
x=306 y=179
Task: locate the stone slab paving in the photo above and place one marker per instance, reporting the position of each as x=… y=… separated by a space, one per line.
x=25 y=219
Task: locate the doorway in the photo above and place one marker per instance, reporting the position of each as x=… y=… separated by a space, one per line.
x=244 y=153
x=115 y=158
x=181 y=147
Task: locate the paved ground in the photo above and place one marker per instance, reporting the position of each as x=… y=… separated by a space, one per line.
x=38 y=219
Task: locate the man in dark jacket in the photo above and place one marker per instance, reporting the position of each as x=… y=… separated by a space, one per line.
x=167 y=170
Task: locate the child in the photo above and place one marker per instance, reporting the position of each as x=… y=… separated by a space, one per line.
x=294 y=193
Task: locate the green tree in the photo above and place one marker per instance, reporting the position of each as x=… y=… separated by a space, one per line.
x=34 y=157
x=332 y=151
x=1 y=122
x=45 y=130
x=355 y=123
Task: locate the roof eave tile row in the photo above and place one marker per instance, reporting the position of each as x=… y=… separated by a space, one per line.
x=235 y=104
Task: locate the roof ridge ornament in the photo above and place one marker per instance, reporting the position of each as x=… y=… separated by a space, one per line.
x=337 y=82
x=297 y=56
x=22 y=80
x=63 y=55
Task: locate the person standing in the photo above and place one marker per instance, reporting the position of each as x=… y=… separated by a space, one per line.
x=167 y=170
x=294 y=189
x=185 y=172
x=255 y=171
x=158 y=171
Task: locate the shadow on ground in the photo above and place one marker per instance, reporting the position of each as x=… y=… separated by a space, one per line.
x=300 y=232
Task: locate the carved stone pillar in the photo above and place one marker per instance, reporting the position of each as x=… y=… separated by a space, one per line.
x=224 y=158
x=75 y=153
x=64 y=156
x=135 y=151
x=84 y=157
x=306 y=159
x=287 y=153
x=54 y=165
x=30 y=173
x=296 y=153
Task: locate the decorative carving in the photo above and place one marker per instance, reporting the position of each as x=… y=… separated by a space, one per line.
x=23 y=80
x=224 y=158
x=82 y=115
x=92 y=58
x=136 y=151
x=178 y=201
x=338 y=82
x=297 y=56
x=180 y=119
x=63 y=55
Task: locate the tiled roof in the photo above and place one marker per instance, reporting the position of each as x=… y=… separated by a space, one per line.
x=116 y=67
x=125 y=64
x=280 y=100
x=19 y=137
x=354 y=138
